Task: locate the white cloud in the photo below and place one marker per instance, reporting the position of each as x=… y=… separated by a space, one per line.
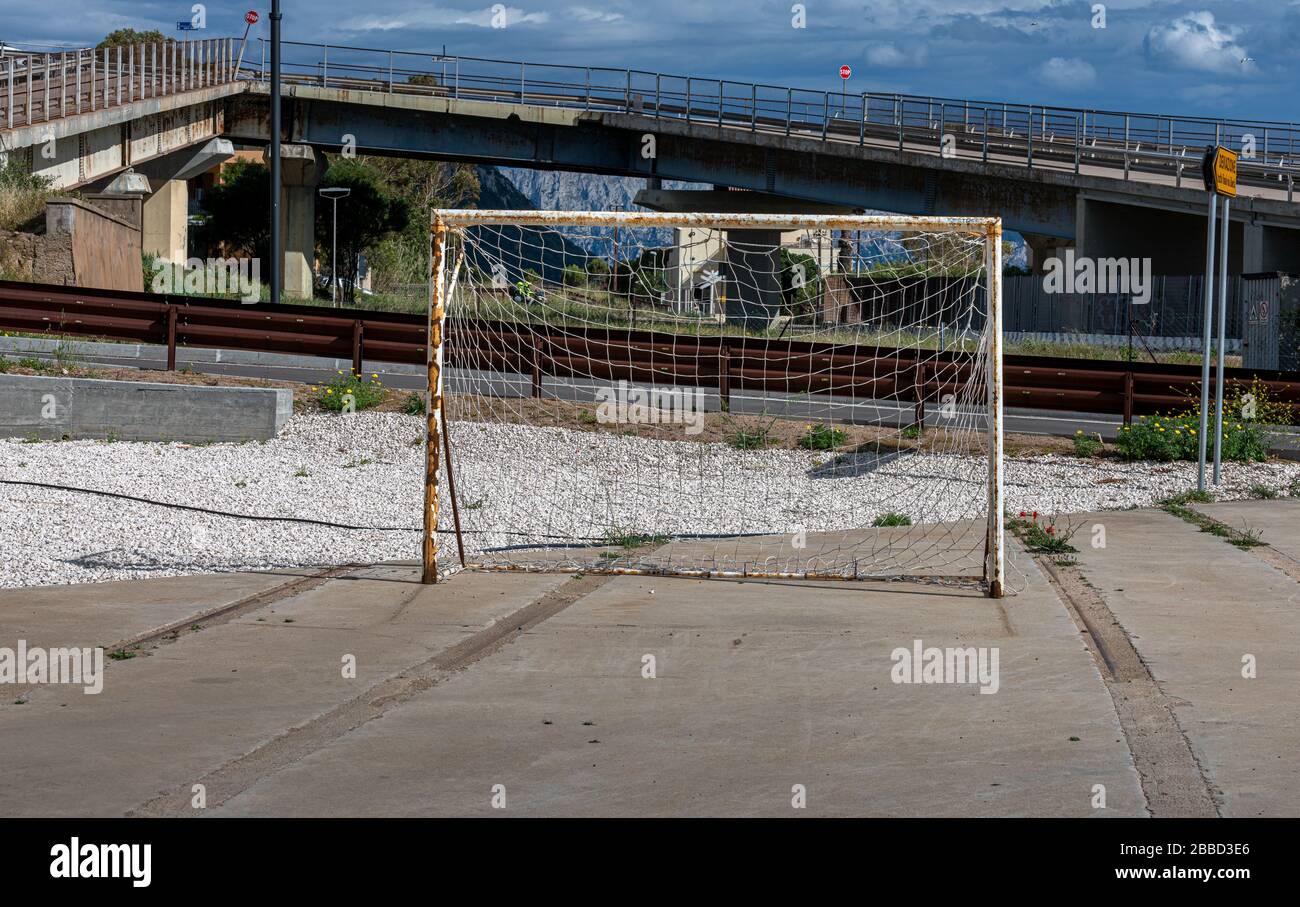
x=587 y=14
x=1196 y=42
x=890 y=56
x=1071 y=72
x=444 y=18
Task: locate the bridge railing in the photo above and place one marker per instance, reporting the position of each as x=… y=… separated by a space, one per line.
x=1146 y=146
x=38 y=88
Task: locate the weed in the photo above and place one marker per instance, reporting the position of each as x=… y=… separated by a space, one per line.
x=821 y=437
x=121 y=654
x=345 y=386
x=413 y=405
x=621 y=539
x=911 y=432
x=302 y=473
x=892 y=519
x=1085 y=445
x=1263 y=492
x=1042 y=537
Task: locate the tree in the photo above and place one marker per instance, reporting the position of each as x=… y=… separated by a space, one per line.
x=238 y=220
x=125 y=37
x=370 y=212
x=403 y=258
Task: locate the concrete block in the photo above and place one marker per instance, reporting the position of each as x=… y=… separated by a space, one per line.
x=53 y=408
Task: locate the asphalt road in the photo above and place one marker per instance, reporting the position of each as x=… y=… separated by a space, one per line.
x=581 y=391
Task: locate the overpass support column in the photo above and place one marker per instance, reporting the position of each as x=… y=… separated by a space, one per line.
x=165 y=227
x=1041 y=248
x=754 y=277
x=301 y=169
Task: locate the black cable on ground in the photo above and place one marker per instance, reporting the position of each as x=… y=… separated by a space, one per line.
x=574 y=543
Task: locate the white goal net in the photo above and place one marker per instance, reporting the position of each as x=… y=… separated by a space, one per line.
x=713 y=394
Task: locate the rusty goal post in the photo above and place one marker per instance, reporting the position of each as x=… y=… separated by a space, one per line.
x=761 y=395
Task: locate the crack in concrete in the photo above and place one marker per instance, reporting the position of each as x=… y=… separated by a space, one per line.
x=241 y=773
x=1174 y=782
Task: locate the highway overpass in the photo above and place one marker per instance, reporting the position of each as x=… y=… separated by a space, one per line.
x=1106 y=183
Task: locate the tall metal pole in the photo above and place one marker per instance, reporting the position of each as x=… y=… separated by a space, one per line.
x=277 y=254
x=1205 y=338
x=334 y=260
x=1223 y=319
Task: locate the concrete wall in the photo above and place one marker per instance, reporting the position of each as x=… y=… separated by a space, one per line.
x=40 y=259
x=105 y=248
x=55 y=408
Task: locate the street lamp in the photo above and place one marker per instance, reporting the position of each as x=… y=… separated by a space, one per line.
x=334 y=193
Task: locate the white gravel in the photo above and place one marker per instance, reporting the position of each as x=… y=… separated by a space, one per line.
x=522 y=482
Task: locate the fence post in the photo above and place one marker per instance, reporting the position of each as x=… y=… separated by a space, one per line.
x=433 y=407
x=358 y=339
x=1029 y=124
x=724 y=377
x=918 y=412
x=10 y=108
x=171 y=338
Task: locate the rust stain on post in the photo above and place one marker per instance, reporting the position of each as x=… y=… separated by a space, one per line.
x=433 y=407
x=995 y=543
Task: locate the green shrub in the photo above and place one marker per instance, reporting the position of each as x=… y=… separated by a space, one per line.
x=574 y=276
x=821 y=437
x=333 y=394
x=1177 y=437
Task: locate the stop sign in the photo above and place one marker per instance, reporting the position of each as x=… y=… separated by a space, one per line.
x=845 y=72
x=251 y=17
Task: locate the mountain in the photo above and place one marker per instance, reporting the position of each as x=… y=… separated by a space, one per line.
x=555 y=190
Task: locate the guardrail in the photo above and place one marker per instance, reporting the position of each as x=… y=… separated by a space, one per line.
x=37 y=88
x=728 y=363
x=1028 y=135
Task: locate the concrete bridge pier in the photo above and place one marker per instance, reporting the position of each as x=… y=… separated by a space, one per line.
x=301 y=170
x=1040 y=248
x=753 y=277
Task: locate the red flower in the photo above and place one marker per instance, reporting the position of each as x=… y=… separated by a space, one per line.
x=1022 y=513
x=1035 y=514
x=1051 y=529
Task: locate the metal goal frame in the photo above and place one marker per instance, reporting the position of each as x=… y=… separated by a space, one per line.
x=444 y=220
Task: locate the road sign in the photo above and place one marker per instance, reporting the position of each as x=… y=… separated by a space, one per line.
x=185 y=26
x=251 y=17
x=1219 y=169
x=846 y=71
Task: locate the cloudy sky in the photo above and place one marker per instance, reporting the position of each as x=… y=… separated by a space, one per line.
x=1239 y=58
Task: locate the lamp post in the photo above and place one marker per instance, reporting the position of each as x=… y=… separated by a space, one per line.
x=334 y=193
x=277 y=254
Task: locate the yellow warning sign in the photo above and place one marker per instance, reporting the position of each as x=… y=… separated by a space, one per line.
x=1222 y=169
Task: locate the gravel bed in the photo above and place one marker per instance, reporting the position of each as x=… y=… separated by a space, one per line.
x=517 y=485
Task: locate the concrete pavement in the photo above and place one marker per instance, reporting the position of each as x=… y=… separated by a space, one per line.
x=1195 y=608
x=583 y=696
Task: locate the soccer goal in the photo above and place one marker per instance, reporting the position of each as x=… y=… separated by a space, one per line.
x=727 y=395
